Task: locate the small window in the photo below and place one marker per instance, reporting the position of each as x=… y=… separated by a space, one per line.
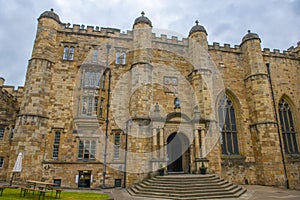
x=12 y=134
x=57 y=183
x=1 y=162
x=56 y=145
x=68 y=53
x=117 y=147
x=121 y=58
x=95 y=55
x=86 y=150
x=118 y=59
x=103 y=82
x=1 y=133
x=101 y=108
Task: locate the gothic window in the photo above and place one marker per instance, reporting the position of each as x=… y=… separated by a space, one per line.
x=287 y=128
x=68 y=53
x=1 y=133
x=117 y=147
x=56 y=145
x=227 y=123
x=86 y=150
x=1 y=162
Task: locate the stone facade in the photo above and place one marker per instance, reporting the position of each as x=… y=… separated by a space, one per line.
x=105 y=108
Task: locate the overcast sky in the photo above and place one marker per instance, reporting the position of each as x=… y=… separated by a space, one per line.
x=276 y=21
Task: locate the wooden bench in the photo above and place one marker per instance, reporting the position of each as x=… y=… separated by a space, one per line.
x=2 y=187
x=42 y=193
x=1 y=190
x=25 y=190
x=57 y=192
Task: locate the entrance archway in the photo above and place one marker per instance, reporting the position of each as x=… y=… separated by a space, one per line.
x=178 y=153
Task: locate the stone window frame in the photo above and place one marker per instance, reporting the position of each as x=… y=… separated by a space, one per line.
x=95 y=55
x=288 y=126
x=228 y=126
x=1 y=162
x=56 y=143
x=120 y=56
x=117 y=142
x=68 y=52
x=2 y=130
x=86 y=150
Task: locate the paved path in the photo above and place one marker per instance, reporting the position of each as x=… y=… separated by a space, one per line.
x=254 y=192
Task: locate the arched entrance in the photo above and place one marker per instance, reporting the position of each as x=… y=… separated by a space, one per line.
x=178 y=153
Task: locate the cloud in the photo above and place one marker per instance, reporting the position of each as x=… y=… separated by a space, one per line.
x=276 y=22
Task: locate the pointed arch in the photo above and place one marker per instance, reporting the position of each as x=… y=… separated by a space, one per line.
x=227 y=106
x=287 y=125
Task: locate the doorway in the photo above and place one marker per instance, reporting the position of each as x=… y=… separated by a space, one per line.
x=84 y=179
x=178 y=153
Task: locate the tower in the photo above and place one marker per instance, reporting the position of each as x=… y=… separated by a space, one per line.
x=32 y=123
x=263 y=126
x=139 y=148
x=205 y=91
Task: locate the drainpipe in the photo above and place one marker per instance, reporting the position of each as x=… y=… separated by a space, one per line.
x=107 y=115
x=278 y=130
x=125 y=156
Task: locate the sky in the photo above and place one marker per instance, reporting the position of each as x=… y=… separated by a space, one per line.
x=277 y=22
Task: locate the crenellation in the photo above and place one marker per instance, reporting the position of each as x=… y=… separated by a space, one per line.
x=226 y=47
x=76 y=27
x=90 y=29
x=173 y=40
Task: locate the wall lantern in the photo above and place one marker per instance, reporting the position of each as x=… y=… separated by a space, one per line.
x=176 y=103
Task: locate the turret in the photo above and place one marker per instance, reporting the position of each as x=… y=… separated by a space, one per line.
x=141 y=100
x=32 y=123
x=262 y=118
x=201 y=76
x=141 y=68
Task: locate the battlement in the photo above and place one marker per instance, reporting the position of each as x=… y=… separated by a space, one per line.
x=290 y=53
x=226 y=47
x=173 y=40
x=95 y=30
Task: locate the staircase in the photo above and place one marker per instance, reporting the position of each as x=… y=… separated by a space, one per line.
x=186 y=186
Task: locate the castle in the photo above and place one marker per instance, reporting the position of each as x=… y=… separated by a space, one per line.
x=105 y=108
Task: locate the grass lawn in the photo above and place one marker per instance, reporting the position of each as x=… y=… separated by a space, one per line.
x=14 y=194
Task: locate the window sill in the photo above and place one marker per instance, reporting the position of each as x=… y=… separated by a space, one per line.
x=293 y=158
x=228 y=160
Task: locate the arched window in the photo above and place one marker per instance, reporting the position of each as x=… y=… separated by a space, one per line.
x=287 y=128
x=227 y=123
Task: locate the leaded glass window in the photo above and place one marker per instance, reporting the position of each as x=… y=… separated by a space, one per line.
x=287 y=128
x=227 y=123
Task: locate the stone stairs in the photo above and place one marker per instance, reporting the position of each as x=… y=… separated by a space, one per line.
x=186 y=186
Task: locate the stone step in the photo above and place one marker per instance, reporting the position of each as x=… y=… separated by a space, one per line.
x=185 y=190
x=233 y=192
x=186 y=187
x=187 y=197
x=185 y=182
